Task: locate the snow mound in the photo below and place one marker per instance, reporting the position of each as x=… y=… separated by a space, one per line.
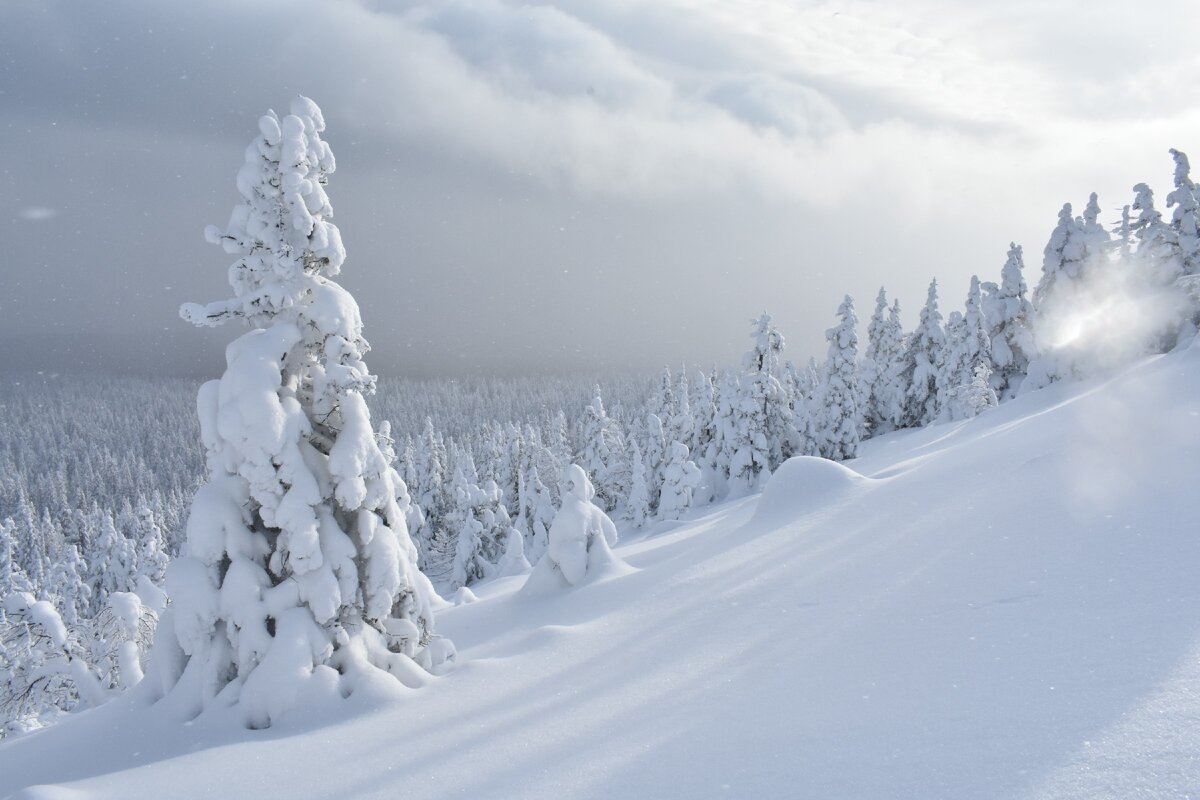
x=803 y=485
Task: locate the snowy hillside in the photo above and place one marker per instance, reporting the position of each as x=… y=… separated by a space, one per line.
x=1003 y=607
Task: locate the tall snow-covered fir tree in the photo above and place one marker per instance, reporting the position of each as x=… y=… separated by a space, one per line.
x=602 y=452
x=704 y=415
x=1185 y=218
x=762 y=418
x=882 y=399
x=1158 y=257
x=637 y=505
x=969 y=347
x=923 y=356
x=1009 y=316
x=839 y=423
x=298 y=569
x=1063 y=265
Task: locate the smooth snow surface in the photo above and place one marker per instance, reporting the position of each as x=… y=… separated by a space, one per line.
x=999 y=608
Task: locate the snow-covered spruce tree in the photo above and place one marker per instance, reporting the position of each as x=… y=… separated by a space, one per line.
x=1158 y=257
x=464 y=561
x=969 y=346
x=601 y=452
x=763 y=419
x=1185 y=218
x=682 y=426
x=581 y=538
x=923 y=354
x=662 y=401
x=1124 y=233
x=637 y=505
x=1096 y=240
x=1063 y=265
x=704 y=415
x=1009 y=316
x=539 y=514
x=681 y=478
x=298 y=572
x=66 y=585
x=152 y=557
x=891 y=361
x=654 y=455
x=873 y=369
x=803 y=386
x=839 y=424
x=112 y=561
x=12 y=577
x=973 y=398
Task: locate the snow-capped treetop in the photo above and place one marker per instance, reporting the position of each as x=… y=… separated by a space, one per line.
x=764 y=356
x=1143 y=203
x=282 y=229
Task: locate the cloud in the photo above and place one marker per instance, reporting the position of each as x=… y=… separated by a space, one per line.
x=636 y=177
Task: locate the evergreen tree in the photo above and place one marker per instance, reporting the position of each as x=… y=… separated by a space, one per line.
x=680 y=479
x=12 y=577
x=298 y=555
x=762 y=417
x=969 y=399
x=1158 y=254
x=839 y=426
x=1063 y=265
x=581 y=537
x=1124 y=232
x=654 y=454
x=1185 y=219
x=891 y=391
x=873 y=370
x=152 y=557
x=67 y=586
x=970 y=344
x=1009 y=316
x=704 y=415
x=922 y=357
x=683 y=424
x=637 y=505
x=540 y=514
x=601 y=452
x=802 y=433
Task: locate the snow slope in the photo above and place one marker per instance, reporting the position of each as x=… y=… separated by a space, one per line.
x=1005 y=607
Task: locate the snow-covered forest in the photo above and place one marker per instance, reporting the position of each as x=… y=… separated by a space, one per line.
x=103 y=484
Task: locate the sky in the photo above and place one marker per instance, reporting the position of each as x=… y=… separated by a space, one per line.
x=571 y=186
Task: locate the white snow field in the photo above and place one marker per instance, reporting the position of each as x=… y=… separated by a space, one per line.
x=1007 y=607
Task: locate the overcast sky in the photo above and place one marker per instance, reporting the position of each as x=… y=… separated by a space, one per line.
x=568 y=185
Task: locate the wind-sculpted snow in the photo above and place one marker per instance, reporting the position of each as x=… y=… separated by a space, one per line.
x=1002 y=607
x=805 y=485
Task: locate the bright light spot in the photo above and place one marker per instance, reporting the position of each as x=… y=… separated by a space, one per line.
x=37 y=213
